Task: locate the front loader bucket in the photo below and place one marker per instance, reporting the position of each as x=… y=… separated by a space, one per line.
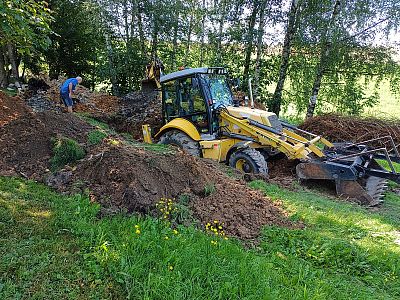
x=366 y=190
x=148 y=85
x=370 y=193
x=355 y=170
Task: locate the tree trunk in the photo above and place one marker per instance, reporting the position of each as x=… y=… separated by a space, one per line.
x=260 y=35
x=290 y=32
x=203 y=26
x=3 y=73
x=249 y=42
x=126 y=24
x=14 y=64
x=154 y=38
x=221 y=26
x=174 y=45
x=326 y=46
x=113 y=73
x=188 y=40
x=137 y=8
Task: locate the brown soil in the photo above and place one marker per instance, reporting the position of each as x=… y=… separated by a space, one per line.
x=99 y=104
x=11 y=108
x=339 y=128
x=136 y=109
x=283 y=172
x=133 y=179
x=129 y=178
x=25 y=139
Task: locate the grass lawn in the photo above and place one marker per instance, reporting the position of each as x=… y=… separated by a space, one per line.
x=54 y=247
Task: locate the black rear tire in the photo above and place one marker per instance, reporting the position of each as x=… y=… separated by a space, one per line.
x=181 y=140
x=249 y=160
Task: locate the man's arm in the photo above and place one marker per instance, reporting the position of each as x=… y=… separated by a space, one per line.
x=70 y=90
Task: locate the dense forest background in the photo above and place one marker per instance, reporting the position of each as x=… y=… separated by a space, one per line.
x=316 y=56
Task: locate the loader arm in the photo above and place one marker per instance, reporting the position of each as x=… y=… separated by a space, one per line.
x=291 y=144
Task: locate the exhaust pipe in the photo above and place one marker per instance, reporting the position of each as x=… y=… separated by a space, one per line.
x=251 y=94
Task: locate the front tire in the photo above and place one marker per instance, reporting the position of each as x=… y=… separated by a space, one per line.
x=181 y=140
x=249 y=160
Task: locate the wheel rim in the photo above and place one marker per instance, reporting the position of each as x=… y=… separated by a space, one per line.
x=243 y=165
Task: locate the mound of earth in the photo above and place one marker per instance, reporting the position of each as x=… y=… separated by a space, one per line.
x=136 y=109
x=282 y=172
x=129 y=178
x=25 y=137
x=11 y=108
x=338 y=128
x=125 y=177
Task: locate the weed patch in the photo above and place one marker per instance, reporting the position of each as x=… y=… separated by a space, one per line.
x=95 y=137
x=209 y=189
x=65 y=151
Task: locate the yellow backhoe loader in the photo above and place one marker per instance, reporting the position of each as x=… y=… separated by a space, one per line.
x=202 y=117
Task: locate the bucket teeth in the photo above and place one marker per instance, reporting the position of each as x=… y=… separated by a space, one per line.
x=376 y=188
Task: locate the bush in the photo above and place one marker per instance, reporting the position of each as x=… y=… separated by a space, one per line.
x=95 y=137
x=65 y=151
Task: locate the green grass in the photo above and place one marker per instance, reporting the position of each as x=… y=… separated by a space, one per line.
x=54 y=247
x=11 y=92
x=385 y=164
x=95 y=137
x=95 y=123
x=65 y=151
x=342 y=238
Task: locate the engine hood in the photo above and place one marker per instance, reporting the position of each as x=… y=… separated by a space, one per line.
x=261 y=116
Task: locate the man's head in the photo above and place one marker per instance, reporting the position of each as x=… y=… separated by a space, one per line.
x=79 y=78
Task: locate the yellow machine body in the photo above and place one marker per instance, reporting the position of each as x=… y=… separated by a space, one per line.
x=211 y=124
x=182 y=125
x=237 y=120
x=252 y=127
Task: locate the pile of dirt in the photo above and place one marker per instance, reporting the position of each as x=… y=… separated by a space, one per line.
x=99 y=105
x=11 y=108
x=125 y=177
x=282 y=172
x=25 y=138
x=44 y=94
x=338 y=128
x=134 y=110
x=121 y=176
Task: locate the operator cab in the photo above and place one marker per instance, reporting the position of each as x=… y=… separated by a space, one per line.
x=193 y=94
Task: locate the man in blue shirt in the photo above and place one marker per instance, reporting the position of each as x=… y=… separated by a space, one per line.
x=66 y=91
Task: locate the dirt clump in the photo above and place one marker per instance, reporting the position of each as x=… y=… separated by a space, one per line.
x=338 y=128
x=139 y=108
x=283 y=172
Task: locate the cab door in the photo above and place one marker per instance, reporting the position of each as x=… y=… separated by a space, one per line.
x=184 y=98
